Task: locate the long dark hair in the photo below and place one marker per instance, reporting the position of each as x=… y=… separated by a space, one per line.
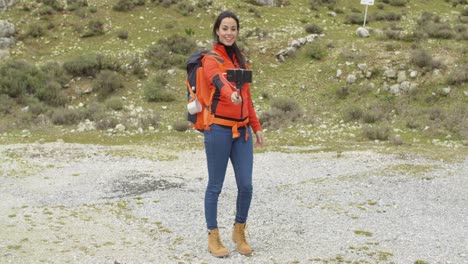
x=217 y=24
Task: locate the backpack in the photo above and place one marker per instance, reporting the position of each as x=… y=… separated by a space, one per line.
x=199 y=94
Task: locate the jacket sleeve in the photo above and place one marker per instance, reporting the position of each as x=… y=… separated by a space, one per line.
x=253 y=119
x=216 y=77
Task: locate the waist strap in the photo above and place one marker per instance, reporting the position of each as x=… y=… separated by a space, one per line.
x=234 y=125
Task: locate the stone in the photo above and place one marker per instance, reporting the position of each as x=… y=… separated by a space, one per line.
x=405 y=86
x=395 y=89
x=362 y=32
x=362 y=66
x=351 y=79
x=120 y=128
x=401 y=76
x=7 y=29
x=390 y=73
x=339 y=72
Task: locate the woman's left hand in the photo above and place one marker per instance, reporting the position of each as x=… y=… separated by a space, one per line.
x=260 y=139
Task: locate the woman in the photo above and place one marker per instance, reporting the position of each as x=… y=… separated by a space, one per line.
x=229 y=136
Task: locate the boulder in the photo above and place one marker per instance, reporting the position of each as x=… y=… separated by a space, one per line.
x=362 y=32
x=6 y=43
x=7 y=29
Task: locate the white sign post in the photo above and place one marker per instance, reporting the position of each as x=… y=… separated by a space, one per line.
x=367 y=3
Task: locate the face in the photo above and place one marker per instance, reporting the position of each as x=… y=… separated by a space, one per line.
x=227 y=31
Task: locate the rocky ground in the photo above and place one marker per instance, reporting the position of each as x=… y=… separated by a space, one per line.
x=69 y=203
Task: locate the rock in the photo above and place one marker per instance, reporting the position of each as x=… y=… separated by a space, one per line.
x=395 y=89
x=390 y=73
x=266 y=2
x=7 y=29
x=295 y=44
x=120 y=128
x=362 y=32
x=351 y=78
x=446 y=90
x=4 y=54
x=385 y=86
x=87 y=125
x=5 y=43
x=339 y=72
x=405 y=86
x=401 y=76
x=362 y=66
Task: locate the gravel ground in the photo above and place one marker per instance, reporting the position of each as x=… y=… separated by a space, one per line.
x=69 y=203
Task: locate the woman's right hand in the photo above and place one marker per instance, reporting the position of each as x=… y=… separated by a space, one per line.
x=235 y=98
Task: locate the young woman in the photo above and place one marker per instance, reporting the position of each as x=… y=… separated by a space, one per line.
x=229 y=136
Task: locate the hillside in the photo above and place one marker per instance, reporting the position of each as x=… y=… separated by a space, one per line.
x=404 y=84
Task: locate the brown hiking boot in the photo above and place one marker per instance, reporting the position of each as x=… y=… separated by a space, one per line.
x=215 y=246
x=238 y=235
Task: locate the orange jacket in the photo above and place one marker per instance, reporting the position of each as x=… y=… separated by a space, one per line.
x=222 y=106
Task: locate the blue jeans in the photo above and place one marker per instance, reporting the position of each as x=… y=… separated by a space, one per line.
x=219 y=148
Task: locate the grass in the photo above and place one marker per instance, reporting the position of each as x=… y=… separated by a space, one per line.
x=310 y=85
x=363 y=233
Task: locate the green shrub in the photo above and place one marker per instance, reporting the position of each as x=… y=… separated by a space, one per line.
x=155 y=89
x=92 y=9
x=45 y=10
x=458 y=76
x=376 y=132
x=114 y=103
x=440 y=31
x=151 y=119
x=400 y=3
x=35 y=30
x=55 y=4
x=180 y=45
x=313 y=29
x=423 y=59
x=316 y=4
x=387 y=16
x=181 y=126
x=316 y=50
x=95 y=28
x=15 y=78
x=51 y=93
x=122 y=34
x=436 y=113
x=342 y=92
x=73 y=5
x=284 y=111
x=170 y=52
x=78 y=3
x=106 y=122
x=185 y=8
x=94 y=112
x=355 y=19
x=55 y=72
x=6 y=104
x=352 y=113
x=36 y=107
x=65 y=116
x=107 y=82
x=124 y=5
x=90 y=65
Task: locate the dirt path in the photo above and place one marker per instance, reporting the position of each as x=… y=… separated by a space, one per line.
x=67 y=203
